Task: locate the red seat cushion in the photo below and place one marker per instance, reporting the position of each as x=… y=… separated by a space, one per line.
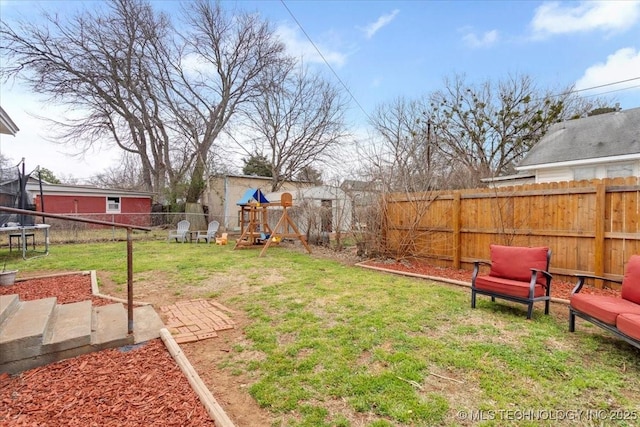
x=629 y=324
x=514 y=288
x=516 y=262
x=631 y=281
x=606 y=309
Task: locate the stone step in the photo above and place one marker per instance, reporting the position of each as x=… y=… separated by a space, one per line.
x=8 y=305
x=70 y=327
x=36 y=333
x=22 y=333
x=109 y=327
x=146 y=324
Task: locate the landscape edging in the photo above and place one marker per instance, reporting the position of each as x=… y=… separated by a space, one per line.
x=212 y=407
x=437 y=279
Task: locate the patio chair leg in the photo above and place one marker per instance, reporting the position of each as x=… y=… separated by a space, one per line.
x=473 y=299
x=546 y=307
x=572 y=322
x=530 y=311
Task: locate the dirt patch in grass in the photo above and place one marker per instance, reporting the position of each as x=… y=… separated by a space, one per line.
x=229 y=386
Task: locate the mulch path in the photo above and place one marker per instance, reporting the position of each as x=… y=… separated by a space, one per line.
x=559 y=289
x=131 y=386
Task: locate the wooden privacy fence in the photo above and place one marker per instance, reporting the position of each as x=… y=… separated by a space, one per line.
x=591 y=226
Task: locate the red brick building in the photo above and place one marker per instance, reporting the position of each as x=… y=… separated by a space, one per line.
x=122 y=206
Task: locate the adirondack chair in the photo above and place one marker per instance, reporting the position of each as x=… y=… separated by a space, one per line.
x=181 y=233
x=222 y=240
x=210 y=233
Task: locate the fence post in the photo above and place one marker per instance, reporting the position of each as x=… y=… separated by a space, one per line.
x=457 y=243
x=599 y=248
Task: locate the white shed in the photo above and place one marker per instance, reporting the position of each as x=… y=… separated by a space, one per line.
x=318 y=211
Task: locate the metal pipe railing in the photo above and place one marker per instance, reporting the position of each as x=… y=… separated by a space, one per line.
x=129 y=229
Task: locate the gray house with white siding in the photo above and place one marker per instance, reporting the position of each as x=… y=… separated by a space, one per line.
x=600 y=146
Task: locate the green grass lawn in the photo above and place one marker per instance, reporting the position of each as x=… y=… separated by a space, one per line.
x=334 y=345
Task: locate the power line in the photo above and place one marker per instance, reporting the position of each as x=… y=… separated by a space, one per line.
x=609 y=84
x=610 y=91
x=325 y=60
x=369 y=118
x=599 y=86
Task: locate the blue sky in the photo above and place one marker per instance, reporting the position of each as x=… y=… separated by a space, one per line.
x=382 y=50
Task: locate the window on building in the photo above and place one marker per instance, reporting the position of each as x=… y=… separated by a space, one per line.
x=113 y=204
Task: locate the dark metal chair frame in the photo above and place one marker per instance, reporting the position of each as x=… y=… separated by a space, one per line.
x=529 y=301
x=573 y=312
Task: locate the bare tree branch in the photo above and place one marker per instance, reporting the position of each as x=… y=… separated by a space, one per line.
x=300 y=118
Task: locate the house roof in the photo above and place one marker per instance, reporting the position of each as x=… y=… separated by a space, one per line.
x=81 y=190
x=517 y=177
x=354 y=185
x=319 y=192
x=604 y=137
x=7 y=126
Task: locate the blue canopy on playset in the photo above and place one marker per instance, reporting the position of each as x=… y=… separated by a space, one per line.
x=252 y=195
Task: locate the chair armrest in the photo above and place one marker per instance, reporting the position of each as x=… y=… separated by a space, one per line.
x=583 y=277
x=476 y=269
x=545 y=273
x=482 y=263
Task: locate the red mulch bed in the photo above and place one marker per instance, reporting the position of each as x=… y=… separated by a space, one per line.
x=131 y=386
x=140 y=387
x=68 y=288
x=559 y=289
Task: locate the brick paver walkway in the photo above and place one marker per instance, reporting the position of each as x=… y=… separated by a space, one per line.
x=196 y=320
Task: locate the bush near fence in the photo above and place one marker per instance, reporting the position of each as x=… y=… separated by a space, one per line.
x=591 y=226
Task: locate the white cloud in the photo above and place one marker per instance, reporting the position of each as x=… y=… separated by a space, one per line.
x=622 y=65
x=302 y=48
x=610 y=16
x=487 y=39
x=371 y=29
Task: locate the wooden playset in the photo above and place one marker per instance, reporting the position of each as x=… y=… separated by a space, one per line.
x=254 y=224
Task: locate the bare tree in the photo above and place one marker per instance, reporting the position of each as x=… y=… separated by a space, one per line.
x=310 y=174
x=484 y=130
x=100 y=65
x=403 y=162
x=7 y=169
x=127 y=175
x=129 y=77
x=404 y=156
x=236 y=55
x=298 y=120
